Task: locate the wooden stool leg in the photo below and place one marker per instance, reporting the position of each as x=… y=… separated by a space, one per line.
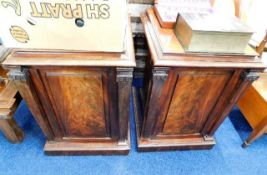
x=257 y=132
x=11 y=130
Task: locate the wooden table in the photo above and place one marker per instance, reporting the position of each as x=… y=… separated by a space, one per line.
x=253 y=105
x=187 y=95
x=9 y=101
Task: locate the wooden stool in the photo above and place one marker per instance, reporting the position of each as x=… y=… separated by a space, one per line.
x=9 y=101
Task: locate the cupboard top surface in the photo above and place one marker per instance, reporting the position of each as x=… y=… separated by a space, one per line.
x=84 y=25
x=74 y=58
x=167 y=51
x=169 y=43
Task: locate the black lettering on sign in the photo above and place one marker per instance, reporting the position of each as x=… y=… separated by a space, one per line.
x=57 y=10
x=19 y=34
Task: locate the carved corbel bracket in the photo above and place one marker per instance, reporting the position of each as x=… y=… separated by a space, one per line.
x=21 y=74
x=161 y=73
x=249 y=76
x=124 y=75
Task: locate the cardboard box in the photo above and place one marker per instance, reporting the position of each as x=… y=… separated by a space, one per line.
x=87 y=25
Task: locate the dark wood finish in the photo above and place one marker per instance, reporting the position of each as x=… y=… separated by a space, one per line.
x=82 y=110
x=124 y=80
x=81 y=100
x=167 y=142
x=187 y=99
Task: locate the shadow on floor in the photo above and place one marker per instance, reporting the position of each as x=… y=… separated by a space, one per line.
x=240 y=124
x=243 y=128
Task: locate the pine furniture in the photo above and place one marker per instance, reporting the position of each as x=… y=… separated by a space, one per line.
x=253 y=104
x=9 y=101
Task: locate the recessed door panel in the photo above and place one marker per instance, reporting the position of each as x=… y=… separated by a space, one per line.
x=195 y=94
x=80 y=101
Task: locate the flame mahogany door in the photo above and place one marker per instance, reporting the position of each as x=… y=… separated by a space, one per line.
x=185 y=106
x=192 y=96
x=77 y=101
x=81 y=105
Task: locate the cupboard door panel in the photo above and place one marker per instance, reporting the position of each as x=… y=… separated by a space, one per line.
x=201 y=88
x=80 y=101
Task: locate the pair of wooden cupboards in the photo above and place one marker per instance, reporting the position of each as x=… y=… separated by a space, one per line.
x=81 y=98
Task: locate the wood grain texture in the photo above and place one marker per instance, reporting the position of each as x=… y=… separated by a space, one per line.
x=224 y=105
x=199 y=88
x=253 y=105
x=29 y=95
x=124 y=81
x=258 y=131
x=165 y=143
x=85 y=108
x=156 y=84
x=11 y=130
x=69 y=90
x=261 y=85
x=73 y=90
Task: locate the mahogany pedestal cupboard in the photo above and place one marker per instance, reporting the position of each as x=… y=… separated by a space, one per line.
x=187 y=95
x=80 y=100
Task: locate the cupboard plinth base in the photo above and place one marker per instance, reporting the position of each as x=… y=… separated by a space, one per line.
x=57 y=148
x=173 y=144
x=165 y=144
x=75 y=148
